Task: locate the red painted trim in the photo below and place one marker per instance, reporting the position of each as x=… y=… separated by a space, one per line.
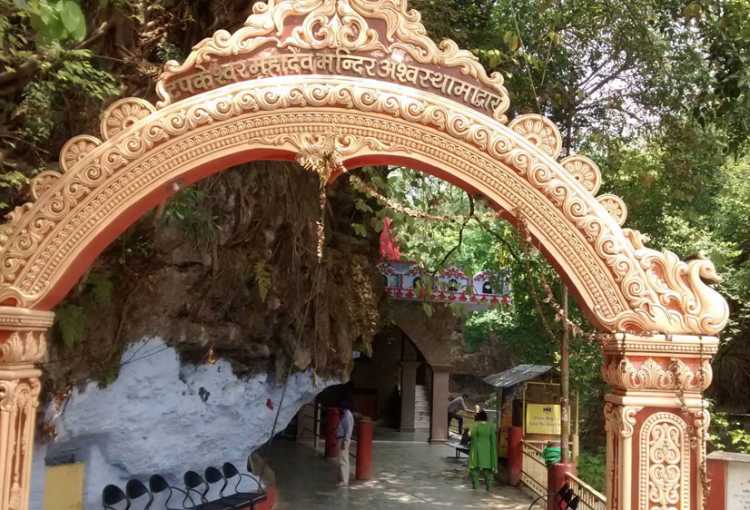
x=557 y=477
x=333 y=416
x=717 y=494
x=515 y=455
x=365 y=433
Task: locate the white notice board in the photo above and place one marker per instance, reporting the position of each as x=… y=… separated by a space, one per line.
x=738 y=486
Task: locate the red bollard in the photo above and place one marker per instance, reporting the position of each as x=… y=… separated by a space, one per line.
x=365 y=431
x=333 y=416
x=515 y=455
x=555 y=480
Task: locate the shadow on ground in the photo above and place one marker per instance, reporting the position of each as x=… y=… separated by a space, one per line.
x=407 y=476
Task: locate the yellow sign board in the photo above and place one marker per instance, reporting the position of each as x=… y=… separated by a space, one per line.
x=543 y=419
x=63 y=489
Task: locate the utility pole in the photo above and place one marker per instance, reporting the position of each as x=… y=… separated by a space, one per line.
x=565 y=382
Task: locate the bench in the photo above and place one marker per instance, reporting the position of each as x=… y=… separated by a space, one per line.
x=219 y=490
x=460 y=448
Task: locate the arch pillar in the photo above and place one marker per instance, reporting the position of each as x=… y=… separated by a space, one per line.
x=23 y=343
x=440 y=395
x=656 y=420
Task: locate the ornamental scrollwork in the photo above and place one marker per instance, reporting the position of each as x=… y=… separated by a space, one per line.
x=76 y=149
x=43 y=182
x=19 y=394
x=123 y=114
x=620 y=420
x=23 y=336
x=652 y=375
x=664 y=463
x=701 y=425
x=627 y=286
x=324 y=153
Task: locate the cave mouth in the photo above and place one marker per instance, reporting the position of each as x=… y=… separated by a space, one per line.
x=391 y=386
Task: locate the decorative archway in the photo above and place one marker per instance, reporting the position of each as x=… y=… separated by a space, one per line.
x=338 y=84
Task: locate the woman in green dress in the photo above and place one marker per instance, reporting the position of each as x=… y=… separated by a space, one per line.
x=483 y=450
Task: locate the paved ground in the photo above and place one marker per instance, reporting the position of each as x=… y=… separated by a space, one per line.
x=409 y=476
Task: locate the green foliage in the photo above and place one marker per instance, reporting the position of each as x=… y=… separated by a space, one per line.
x=71 y=75
x=190 y=209
x=100 y=288
x=110 y=375
x=262 y=274
x=12 y=181
x=480 y=326
x=727 y=434
x=55 y=21
x=592 y=468
x=71 y=324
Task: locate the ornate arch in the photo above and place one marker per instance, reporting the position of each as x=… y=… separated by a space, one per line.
x=104 y=184
x=349 y=82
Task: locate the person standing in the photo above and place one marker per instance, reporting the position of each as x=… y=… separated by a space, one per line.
x=455 y=407
x=344 y=437
x=483 y=451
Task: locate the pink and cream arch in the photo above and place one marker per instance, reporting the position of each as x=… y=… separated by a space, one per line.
x=335 y=85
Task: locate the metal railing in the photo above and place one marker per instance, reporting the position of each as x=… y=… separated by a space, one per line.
x=590 y=498
x=533 y=469
x=534 y=476
x=312 y=410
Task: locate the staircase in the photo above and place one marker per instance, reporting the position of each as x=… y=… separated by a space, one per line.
x=422 y=409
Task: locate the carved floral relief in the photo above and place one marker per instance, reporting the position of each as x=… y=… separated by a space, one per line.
x=651 y=374
x=665 y=464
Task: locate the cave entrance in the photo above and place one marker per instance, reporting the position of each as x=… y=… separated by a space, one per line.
x=393 y=386
x=338 y=85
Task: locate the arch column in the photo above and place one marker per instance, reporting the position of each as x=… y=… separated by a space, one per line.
x=656 y=420
x=23 y=343
x=440 y=396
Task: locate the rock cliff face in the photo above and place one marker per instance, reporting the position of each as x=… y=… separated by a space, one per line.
x=165 y=416
x=229 y=267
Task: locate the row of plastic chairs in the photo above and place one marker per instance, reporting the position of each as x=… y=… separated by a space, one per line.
x=216 y=490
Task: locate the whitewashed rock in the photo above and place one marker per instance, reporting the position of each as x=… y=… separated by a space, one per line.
x=157 y=418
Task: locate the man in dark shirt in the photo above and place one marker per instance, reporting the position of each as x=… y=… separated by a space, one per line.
x=455 y=406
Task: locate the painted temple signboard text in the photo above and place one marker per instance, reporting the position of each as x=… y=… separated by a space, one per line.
x=220 y=74
x=543 y=419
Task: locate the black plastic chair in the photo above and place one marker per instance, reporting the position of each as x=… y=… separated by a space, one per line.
x=112 y=495
x=135 y=490
x=197 y=486
x=251 y=498
x=158 y=485
x=215 y=477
